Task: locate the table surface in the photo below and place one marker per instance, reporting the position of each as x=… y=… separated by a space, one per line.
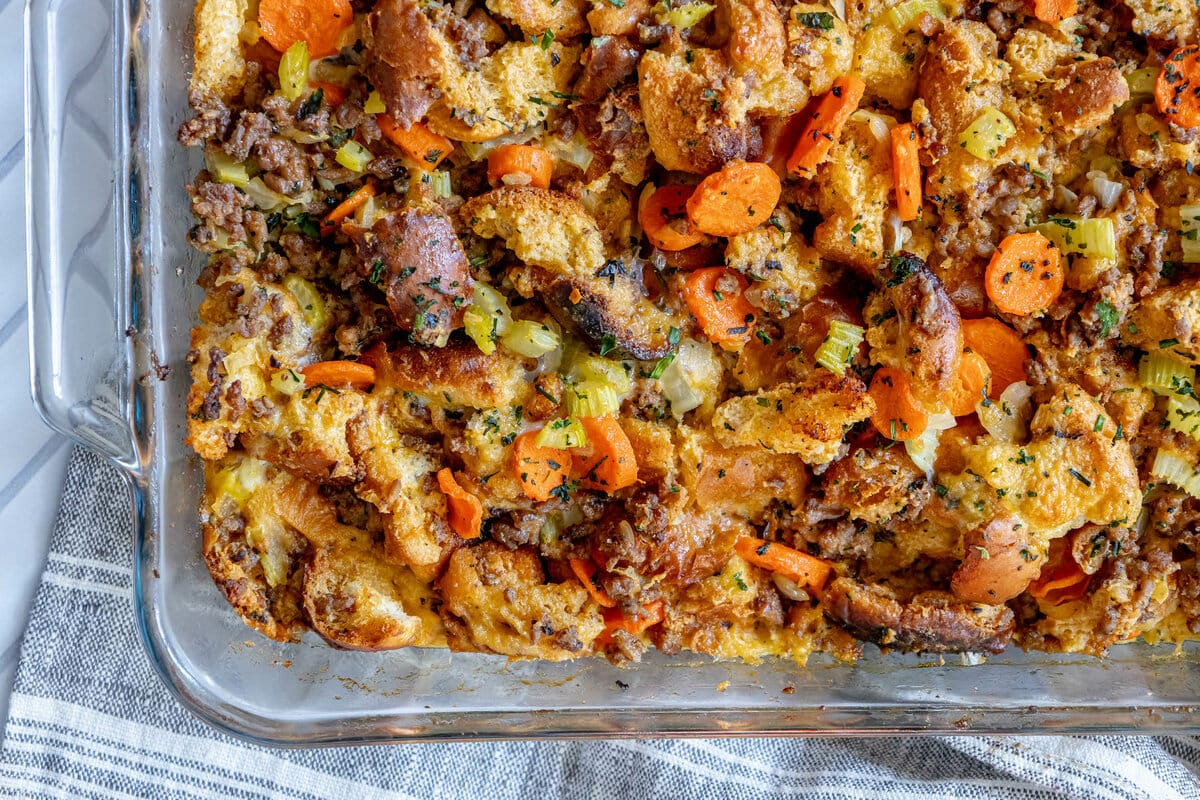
x=33 y=459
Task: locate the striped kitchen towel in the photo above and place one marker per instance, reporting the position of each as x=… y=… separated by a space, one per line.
x=89 y=719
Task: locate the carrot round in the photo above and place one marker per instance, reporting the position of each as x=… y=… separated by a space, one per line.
x=1053 y=12
x=529 y=160
x=466 y=512
x=825 y=125
x=585 y=571
x=317 y=23
x=725 y=315
x=970 y=385
x=347 y=207
x=663 y=216
x=419 y=143
x=541 y=470
x=897 y=415
x=616 y=620
x=1062 y=578
x=906 y=171
x=1176 y=86
x=735 y=199
x=1025 y=274
x=339 y=374
x=802 y=568
x=608 y=462
x=1001 y=347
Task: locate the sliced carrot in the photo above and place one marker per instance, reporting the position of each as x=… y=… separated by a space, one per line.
x=607 y=462
x=1176 y=86
x=802 y=568
x=1001 y=347
x=1062 y=579
x=725 y=315
x=1053 y=12
x=339 y=374
x=318 y=23
x=422 y=145
x=825 y=125
x=735 y=199
x=585 y=571
x=897 y=415
x=529 y=160
x=663 y=215
x=970 y=385
x=615 y=620
x=542 y=470
x=906 y=171
x=1025 y=274
x=333 y=94
x=347 y=207
x=466 y=512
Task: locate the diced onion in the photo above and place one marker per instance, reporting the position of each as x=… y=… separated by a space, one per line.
x=530 y=339
x=984 y=137
x=903 y=16
x=303 y=137
x=1163 y=374
x=839 y=347
x=879 y=126
x=238 y=482
x=681 y=16
x=1171 y=467
x=354 y=156
x=263 y=197
x=1095 y=237
x=1141 y=84
x=574 y=151
x=1189 y=233
x=692 y=367
x=789 y=588
x=293 y=71
x=288 y=381
x=592 y=398
x=477 y=151
x=487 y=318
x=374 y=104
x=311 y=304
x=1183 y=415
x=225 y=169
x=923 y=449
x=1007 y=417
x=562 y=434
x=1106 y=191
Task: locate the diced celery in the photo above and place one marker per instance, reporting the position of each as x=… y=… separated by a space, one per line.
x=1183 y=415
x=1171 y=467
x=984 y=137
x=1189 y=233
x=438 y=181
x=839 y=346
x=903 y=16
x=592 y=398
x=562 y=434
x=354 y=156
x=595 y=368
x=225 y=169
x=1141 y=83
x=374 y=104
x=293 y=71
x=530 y=339
x=1095 y=237
x=311 y=304
x=1162 y=373
x=288 y=381
x=487 y=318
x=681 y=16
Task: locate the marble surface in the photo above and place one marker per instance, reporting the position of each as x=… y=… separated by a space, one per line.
x=32 y=458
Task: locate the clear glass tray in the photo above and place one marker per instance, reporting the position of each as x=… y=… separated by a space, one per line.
x=112 y=294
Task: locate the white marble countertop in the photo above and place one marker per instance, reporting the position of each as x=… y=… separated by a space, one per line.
x=32 y=458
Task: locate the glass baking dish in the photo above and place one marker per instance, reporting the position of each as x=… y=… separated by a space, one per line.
x=112 y=297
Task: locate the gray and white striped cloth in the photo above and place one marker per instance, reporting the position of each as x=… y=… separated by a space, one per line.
x=89 y=719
